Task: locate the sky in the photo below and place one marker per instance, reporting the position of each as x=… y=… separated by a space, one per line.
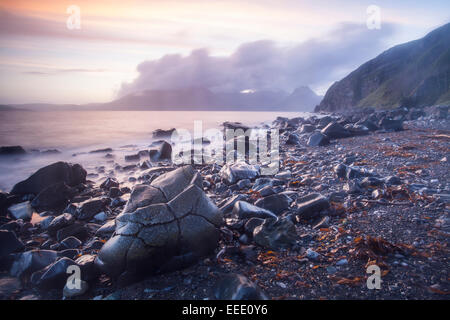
x=124 y=47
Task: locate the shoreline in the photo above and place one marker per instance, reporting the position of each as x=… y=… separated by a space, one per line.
x=336 y=206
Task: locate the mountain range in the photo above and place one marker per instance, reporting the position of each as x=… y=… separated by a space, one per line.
x=199 y=99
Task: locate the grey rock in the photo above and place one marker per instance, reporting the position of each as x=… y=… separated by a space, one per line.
x=70 y=174
x=335 y=130
x=61 y=221
x=75 y=291
x=275 y=234
x=28 y=262
x=237 y=287
x=245 y=210
x=9 y=243
x=22 y=211
x=390 y=124
x=276 y=203
x=309 y=207
x=228 y=204
x=90 y=208
x=293 y=139
x=231 y=173
x=53 y=276
x=71 y=243
x=318 y=139
x=164 y=226
x=109 y=183
x=55 y=196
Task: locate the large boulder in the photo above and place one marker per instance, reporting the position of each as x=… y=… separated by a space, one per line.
x=12 y=151
x=71 y=174
x=164 y=226
x=232 y=173
x=55 y=196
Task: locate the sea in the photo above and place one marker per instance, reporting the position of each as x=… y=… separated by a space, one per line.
x=74 y=134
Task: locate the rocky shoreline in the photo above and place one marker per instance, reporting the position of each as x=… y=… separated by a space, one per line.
x=353 y=190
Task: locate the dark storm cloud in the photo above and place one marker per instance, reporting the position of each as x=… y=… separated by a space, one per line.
x=265 y=65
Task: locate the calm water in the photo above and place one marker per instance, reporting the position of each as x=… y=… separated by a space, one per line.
x=82 y=131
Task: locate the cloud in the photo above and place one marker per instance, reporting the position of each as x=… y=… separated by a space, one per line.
x=264 y=64
x=60 y=71
x=13 y=24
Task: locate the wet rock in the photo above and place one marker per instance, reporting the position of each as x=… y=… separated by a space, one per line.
x=275 y=234
x=227 y=205
x=164 y=226
x=231 y=173
x=60 y=221
x=307 y=128
x=109 y=183
x=70 y=174
x=55 y=196
x=312 y=255
x=101 y=216
x=390 y=124
x=275 y=203
x=9 y=243
x=105 y=150
x=12 y=151
x=352 y=187
x=75 y=290
x=245 y=210
x=3 y=203
x=28 y=262
x=159 y=133
x=251 y=225
x=133 y=157
x=335 y=130
x=245 y=183
x=71 y=243
x=107 y=228
x=164 y=152
x=114 y=192
x=77 y=230
x=53 y=276
x=87 y=266
x=293 y=139
x=356 y=130
x=309 y=207
x=261 y=183
x=22 y=211
x=318 y=139
x=370 y=125
x=235 y=126
x=237 y=287
x=44 y=224
x=393 y=181
x=90 y=208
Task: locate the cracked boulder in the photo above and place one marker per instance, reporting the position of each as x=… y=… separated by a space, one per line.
x=165 y=226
